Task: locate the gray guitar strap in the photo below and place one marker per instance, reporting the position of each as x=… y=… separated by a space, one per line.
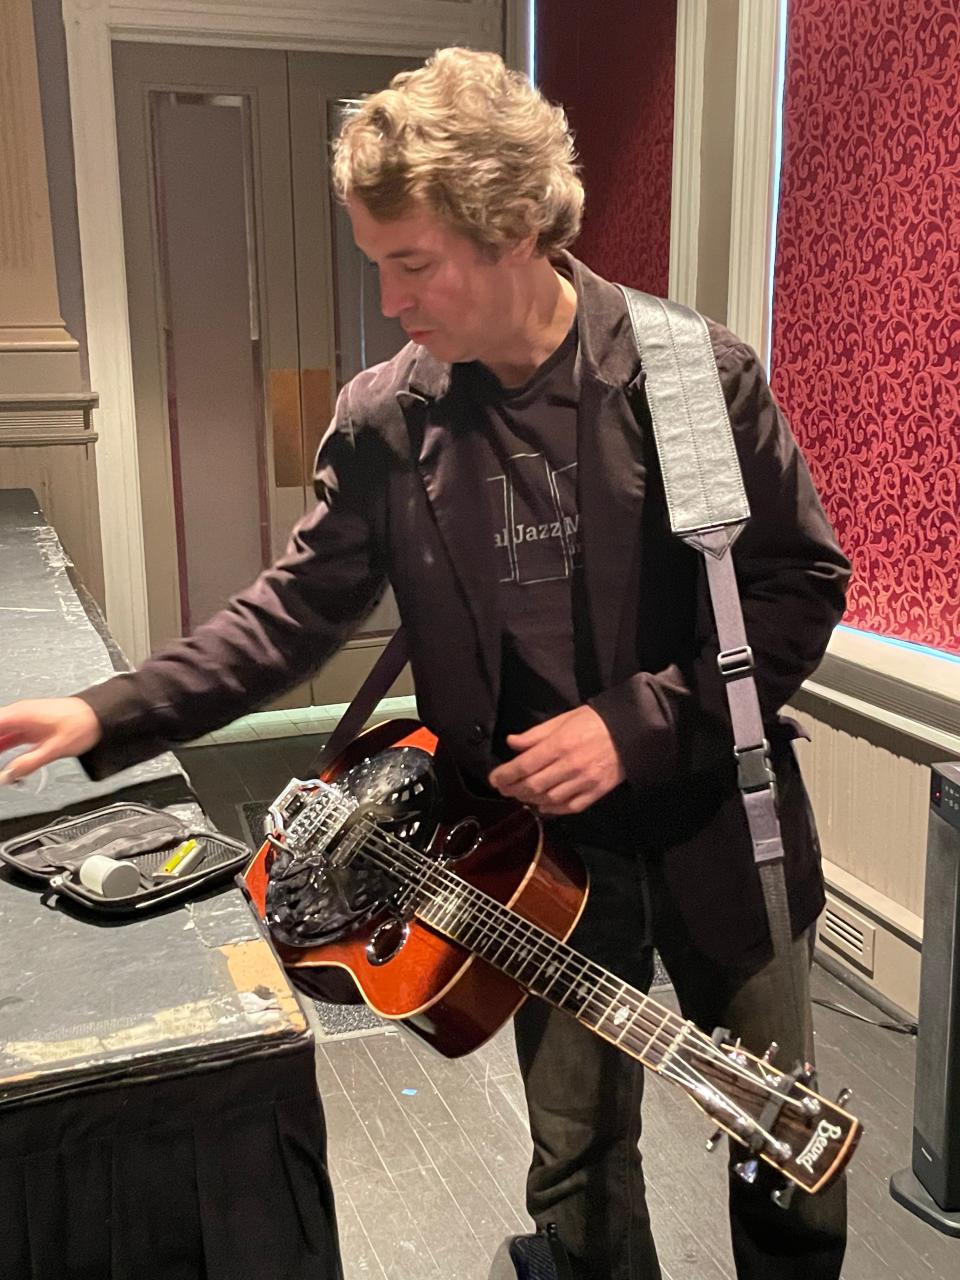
x=708 y=509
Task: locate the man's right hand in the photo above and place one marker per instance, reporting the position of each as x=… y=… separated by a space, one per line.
x=51 y=727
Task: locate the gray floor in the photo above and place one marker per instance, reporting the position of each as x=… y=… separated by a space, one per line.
x=428 y=1157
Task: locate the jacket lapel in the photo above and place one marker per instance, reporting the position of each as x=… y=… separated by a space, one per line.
x=611 y=472
x=443 y=440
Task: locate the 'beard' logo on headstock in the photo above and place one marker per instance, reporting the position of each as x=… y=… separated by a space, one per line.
x=814 y=1149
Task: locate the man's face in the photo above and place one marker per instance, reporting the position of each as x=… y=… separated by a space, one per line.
x=447 y=295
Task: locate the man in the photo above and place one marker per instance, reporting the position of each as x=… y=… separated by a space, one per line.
x=500 y=473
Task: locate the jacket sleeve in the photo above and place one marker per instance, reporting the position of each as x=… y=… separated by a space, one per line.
x=792 y=578
x=269 y=637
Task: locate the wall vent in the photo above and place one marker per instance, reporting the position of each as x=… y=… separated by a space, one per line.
x=847 y=932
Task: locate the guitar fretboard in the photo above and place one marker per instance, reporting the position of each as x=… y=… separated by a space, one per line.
x=542 y=964
x=551 y=969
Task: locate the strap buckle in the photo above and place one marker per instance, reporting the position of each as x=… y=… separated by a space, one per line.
x=736 y=663
x=754 y=770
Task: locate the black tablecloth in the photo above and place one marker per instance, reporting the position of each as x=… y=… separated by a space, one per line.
x=213 y=1175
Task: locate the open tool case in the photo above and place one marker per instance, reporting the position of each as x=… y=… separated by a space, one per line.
x=147 y=837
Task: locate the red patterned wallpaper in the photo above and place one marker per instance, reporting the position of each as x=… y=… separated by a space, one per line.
x=611 y=65
x=866 y=334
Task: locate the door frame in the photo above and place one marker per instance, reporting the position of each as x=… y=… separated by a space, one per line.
x=414 y=27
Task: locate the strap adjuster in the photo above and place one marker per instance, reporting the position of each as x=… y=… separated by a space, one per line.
x=754 y=771
x=735 y=663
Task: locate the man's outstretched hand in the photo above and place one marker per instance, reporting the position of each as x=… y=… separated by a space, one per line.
x=563 y=765
x=51 y=727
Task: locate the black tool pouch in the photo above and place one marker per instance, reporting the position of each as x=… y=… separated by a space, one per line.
x=147 y=837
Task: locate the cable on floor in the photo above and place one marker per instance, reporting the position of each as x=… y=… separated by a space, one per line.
x=901 y=1028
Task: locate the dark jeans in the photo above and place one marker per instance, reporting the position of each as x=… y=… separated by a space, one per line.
x=584 y=1096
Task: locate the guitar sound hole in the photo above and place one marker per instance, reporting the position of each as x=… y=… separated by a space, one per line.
x=462 y=839
x=387 y=940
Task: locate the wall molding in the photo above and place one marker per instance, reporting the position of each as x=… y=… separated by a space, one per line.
x=391 y=26
x=897 y=702
x=47 y=418
x=911 y=693
x=406 y=26
x=687 y=134
x=754 y=176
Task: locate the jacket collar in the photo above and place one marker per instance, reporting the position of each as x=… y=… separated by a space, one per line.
x=607 y=353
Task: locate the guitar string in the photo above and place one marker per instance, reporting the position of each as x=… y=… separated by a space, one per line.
x=670 y=1066
x=461 y=888
x=427 y=870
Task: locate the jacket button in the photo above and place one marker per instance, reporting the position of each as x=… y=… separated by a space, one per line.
x=477 y=733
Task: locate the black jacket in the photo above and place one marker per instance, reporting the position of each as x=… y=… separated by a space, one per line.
x=389 y=510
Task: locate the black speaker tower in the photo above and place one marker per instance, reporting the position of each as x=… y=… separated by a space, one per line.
x=931 y=1187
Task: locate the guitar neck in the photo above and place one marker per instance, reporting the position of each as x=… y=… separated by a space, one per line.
x=549 y=968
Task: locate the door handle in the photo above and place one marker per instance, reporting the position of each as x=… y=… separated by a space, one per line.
x=286 y=429
x=300 y=406
x=317 y=408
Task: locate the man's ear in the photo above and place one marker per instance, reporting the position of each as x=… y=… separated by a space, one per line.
x=523 y=250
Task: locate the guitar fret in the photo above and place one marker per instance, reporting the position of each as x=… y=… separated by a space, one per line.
x=629 y=1020
x=470 y=937
x=659 y=1028
x=673 y=1046
x=553 y=968
x=448 y=904
x=585 y=989
x=517 y=940
x=492 y=955
x=575 y=997
x=493 y=945
x=614 y=1010
x=525 y=956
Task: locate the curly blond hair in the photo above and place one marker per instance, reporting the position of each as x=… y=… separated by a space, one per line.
x=474 y=141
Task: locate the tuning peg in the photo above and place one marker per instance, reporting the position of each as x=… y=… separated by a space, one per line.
x=783 y=1195
x=747 y=1170
x=735 y=1052
x=714 y=1140
x=772 y=1050
x=843 y=1097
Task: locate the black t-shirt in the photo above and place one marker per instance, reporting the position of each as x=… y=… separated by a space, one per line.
x=529 y=469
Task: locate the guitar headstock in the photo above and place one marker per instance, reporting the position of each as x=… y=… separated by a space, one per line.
x=821 y=1135
x=775 y=1113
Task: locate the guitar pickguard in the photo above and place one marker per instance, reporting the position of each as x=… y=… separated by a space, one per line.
x=318 y=890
